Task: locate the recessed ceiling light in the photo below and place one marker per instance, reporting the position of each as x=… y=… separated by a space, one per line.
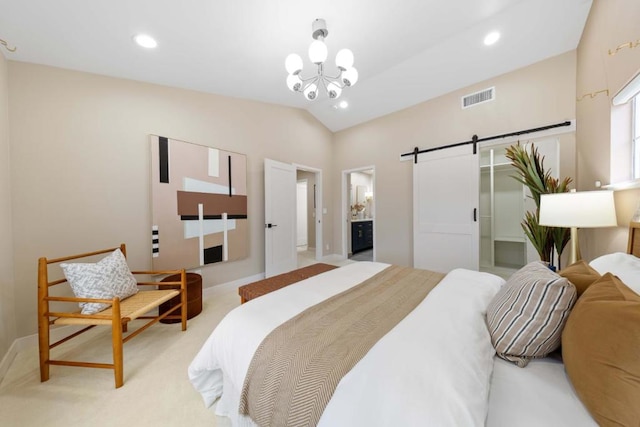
x=340 y=105
x=491 y=38
x=145 y=41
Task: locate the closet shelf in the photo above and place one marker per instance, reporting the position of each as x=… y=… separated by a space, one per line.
x=509 y=239
x=498 y=166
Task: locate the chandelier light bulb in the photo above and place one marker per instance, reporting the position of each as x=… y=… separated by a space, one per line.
x=350 y=77
x=334 y=90
x=311 y=91
x=344 y=59
x=318 y=52
x=294 y=83
x=293 y=63
x=326 y=78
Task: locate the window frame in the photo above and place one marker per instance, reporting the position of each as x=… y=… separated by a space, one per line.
x=635 y=136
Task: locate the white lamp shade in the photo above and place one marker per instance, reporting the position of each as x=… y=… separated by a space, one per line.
x=311 y=91
x=350 y=77
x=344 y=59
x=318 y=52
x=584 y=209
x=334 y=90
x=293 y=63
x=293 y=82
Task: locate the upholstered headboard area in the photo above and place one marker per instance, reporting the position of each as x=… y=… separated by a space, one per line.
x=634 y=239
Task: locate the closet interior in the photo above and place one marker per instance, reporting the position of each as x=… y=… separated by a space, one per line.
x=503 y=244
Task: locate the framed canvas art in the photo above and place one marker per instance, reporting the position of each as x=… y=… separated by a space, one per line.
x=199 y=204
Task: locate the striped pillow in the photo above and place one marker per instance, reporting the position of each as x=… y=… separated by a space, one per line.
x=526 y=317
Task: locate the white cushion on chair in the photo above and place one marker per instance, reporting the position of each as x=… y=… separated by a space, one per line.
x=108 y=278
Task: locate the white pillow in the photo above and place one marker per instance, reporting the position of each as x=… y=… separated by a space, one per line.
x=625 y=266
x=108 y=278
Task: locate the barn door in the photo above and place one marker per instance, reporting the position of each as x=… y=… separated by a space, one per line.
x=445 y=210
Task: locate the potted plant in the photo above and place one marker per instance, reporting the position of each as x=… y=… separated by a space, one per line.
x=357 y=211
x=532 y=174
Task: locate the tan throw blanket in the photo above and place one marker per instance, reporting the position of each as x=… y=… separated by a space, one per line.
x=297 y=367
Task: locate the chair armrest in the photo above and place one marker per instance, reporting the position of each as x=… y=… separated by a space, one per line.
x=161 y=272
x=115 y=303
x=158 y=272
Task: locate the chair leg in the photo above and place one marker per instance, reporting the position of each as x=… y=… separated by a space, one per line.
x=43 y=320
x=43 y=343
x=183 y=298
x=116 y=336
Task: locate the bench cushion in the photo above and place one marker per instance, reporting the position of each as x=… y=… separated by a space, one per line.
x=262 y=287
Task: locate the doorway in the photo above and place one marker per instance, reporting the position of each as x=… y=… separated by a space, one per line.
x=358 y=214
x=309 y=215
x=280 y=207
x=504 y=247
x=301 y=215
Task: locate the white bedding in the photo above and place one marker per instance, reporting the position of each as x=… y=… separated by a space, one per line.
x=434 y=368
x=538 y=395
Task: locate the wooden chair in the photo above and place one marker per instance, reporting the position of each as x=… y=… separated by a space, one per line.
x=117 y=316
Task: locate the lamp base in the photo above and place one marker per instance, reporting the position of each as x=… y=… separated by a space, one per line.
x=574 y=256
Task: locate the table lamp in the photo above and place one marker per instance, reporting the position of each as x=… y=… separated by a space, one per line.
x=583 y=209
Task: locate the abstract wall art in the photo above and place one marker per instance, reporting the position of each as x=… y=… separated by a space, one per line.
x=199 y=204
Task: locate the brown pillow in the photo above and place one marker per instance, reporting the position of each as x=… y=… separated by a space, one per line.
x=601 y=351
x=581 y=275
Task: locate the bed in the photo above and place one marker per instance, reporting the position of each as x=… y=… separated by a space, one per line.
x=437 y=366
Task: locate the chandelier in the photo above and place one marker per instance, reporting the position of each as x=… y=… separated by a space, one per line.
x=333 y=85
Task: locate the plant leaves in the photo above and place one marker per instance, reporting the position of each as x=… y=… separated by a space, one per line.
x=531 y=173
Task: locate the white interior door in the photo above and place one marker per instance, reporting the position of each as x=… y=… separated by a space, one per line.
x=280 y=217
x=445 y=210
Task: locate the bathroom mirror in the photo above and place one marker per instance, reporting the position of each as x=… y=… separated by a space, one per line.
x=361 y=190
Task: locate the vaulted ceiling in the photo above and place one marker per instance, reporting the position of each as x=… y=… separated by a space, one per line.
x=406 y=51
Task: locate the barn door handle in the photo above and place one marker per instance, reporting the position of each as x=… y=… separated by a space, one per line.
x=475 y=214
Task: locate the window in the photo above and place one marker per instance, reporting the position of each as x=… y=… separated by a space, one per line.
x=625 y=137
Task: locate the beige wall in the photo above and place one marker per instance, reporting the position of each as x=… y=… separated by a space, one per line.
x=540 y=94
x=80 y=164
x=7 y=308
x=611 y=23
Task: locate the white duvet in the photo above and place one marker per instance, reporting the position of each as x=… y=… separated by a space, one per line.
x=433 y=368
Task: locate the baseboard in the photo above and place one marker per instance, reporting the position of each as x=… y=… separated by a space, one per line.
x=31 y=341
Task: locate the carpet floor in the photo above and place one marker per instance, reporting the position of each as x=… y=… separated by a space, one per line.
x=156 y=390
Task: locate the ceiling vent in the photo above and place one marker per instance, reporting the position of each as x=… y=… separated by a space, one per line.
x=479 y=97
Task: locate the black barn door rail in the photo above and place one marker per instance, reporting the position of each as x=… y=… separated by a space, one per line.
x=475 y=140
